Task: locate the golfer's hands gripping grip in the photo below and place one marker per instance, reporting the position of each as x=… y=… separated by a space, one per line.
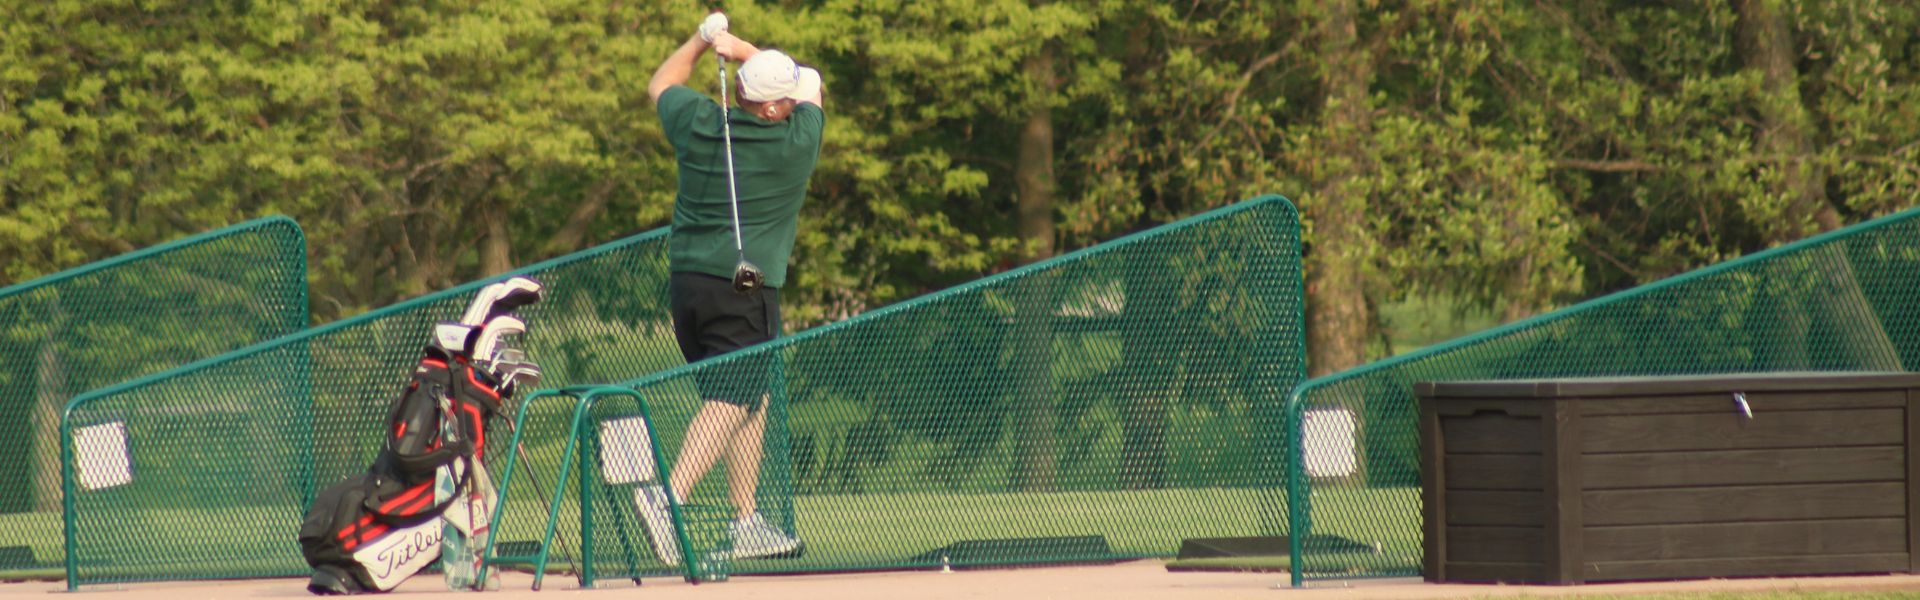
x=713 y=26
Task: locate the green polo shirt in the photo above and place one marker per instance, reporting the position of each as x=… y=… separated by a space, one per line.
x=771 y=163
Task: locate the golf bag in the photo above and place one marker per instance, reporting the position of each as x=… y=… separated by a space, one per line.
x=373 y=530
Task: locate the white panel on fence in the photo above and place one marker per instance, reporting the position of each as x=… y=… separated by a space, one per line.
x=626 y=452
x=1330 y=442
x=101 y=452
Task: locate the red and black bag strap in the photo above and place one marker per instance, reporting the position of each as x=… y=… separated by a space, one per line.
x=415 y=446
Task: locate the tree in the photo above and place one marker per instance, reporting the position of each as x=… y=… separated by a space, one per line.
x=1783 y=132
x=1336 y=308
x=395 y=135
x=1608 y=143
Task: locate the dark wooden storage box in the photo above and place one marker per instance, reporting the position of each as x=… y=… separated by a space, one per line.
x=1602 y=479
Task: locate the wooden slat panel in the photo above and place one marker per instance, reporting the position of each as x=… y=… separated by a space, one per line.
x=1491 y=433
x=1490 y=572
x=1563 y=515
x=1493 y=472
x=1745 y=503
x=1746 y=567
x=1744 y=467
x=1913 y=481
x=1670 y=385
x=1732 y=540
x=1495 y=544
x=1760 y=402
x=1461 y=407
x=1496 y=508
x=1729 y=431
x=1434 y=495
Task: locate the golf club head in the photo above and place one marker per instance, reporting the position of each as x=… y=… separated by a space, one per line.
x=747 y=277
x=512 y=369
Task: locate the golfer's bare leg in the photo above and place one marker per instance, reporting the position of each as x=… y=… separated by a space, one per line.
x=743 y=462
x=708 y=435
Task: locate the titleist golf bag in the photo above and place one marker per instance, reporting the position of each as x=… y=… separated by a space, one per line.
x=373 y=530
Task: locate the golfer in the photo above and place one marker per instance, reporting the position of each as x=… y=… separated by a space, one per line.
x=775 y=143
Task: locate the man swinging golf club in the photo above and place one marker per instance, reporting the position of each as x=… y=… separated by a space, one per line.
x=743 y=176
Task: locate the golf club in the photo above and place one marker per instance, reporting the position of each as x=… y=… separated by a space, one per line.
x=746 y=276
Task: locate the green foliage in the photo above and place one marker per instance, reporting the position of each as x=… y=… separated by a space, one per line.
x=396 y=134
x=1516 y=156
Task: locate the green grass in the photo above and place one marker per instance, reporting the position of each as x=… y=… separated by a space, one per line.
x=33 y=574
x=864 y=531
x=1416 y=323
x=888 y=531
x=41 y=533
x=843 y=532
x=1233 y=564
x=874 y=531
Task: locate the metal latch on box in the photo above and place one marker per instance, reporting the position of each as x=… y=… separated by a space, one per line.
x=1740 y=400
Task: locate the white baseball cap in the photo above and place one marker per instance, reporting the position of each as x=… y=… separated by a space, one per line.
x=771 y=75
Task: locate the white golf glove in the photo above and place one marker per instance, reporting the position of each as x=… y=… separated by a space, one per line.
x=715 y=23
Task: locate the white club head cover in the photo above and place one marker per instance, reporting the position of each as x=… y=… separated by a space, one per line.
x=451 y=337
x=501 y=298
x=488 y=343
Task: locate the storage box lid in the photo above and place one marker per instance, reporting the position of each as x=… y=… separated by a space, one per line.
x=1666 y=384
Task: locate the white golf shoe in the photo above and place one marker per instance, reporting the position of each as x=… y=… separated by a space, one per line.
x=754 y=537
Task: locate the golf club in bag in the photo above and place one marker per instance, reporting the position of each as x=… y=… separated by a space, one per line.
x=375 y=529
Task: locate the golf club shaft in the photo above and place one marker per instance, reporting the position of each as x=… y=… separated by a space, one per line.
x=527 y=461
x=726 y=133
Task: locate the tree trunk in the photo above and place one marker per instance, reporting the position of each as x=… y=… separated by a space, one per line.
x=1521 y=299
x=1336 y=303
x=496 y=253
x=1034 y=173
x=1785 y=126
x=1036 y=448
x=1035 y=402
x=49 y=397
x=1786 y=132
x=1853 y=319
x=572 y=236
x=415 y=262
x=1146 y=383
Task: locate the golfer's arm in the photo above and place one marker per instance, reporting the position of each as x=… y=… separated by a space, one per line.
x=675 y=70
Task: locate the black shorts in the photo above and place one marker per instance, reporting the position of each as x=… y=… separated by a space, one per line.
x=710 y=319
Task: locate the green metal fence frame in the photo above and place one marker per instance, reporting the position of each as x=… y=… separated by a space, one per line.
x=70 y=517
x=294 y=319
x=585 y=397
x=630 y=387
x=1299 y=486
x=194 y=240
x=71 y=522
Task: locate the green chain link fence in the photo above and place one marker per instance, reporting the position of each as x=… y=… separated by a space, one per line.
x=1843 y=301
x=114 y=320
x=205 y=471
x=1105 y=404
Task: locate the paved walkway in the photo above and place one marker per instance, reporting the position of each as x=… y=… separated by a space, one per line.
x=1138 y=580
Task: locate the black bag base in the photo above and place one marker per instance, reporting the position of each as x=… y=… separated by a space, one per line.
x=329 y=580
